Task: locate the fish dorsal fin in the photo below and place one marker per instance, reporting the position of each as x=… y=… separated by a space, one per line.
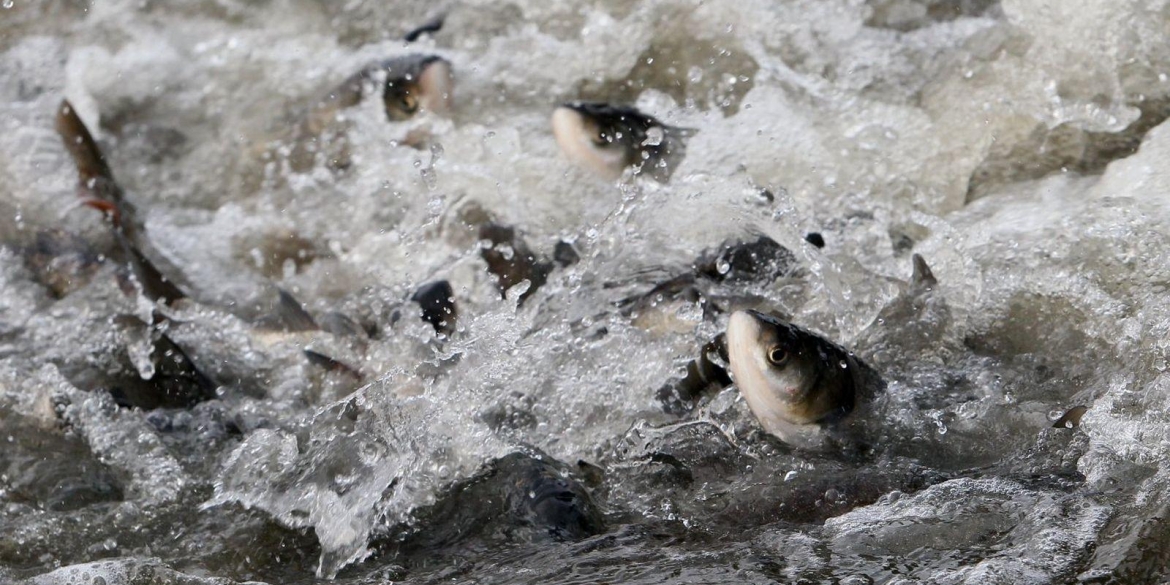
x=922 y=279
x=291 y=315
x=431 y=27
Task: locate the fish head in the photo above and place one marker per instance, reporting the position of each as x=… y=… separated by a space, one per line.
x=601 y=138
x=417 y=84
x=781 y=371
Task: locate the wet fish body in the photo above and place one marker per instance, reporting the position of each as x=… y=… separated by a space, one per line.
x=97 y=185
x=800 y=386
x=607 y=139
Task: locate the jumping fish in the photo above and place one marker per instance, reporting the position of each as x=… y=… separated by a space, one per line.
x=410 y=85
x=798 y=385
x=607 y=139
x=99 y=190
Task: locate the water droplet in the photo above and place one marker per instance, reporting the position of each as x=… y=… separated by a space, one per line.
x=654 y=136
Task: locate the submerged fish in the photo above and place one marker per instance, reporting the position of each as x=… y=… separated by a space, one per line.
x=799 y=386
x=607 y=139
x=518 y=497
x=508 y=256
x=718 y=281
x=61 y=261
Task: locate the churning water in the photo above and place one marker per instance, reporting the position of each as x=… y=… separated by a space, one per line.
x=1017 y=145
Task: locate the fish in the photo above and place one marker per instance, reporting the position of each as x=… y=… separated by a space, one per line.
x=511 y=260
x=410 y=85
x=176 y=382
x=1072 y=418
x=754 y=260
x=800 y=387
x=521 y=496
x=437 y=303
x=914 y=322
x=719 y=278
x=99 y=190
x=607 y=139
x=332 y=365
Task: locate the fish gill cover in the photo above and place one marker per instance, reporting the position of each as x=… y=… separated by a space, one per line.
x=1018 y=146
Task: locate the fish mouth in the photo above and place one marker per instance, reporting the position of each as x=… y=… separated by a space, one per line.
x=574 y=131
x=436 y=86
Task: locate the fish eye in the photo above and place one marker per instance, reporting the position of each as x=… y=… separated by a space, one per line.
x=601 y=139
x=409 y=103
x=778 y=356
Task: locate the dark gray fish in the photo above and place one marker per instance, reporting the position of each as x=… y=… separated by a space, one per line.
x=99 y=189
x=409 y=85
x=607 y=139
x=290 y=314
x=565 y=254
x=341 y=325
x=797 y=384
x=511 y=260
x=735 y=262
x=760 y=260
x=437 y=301
x=922 y=280
x=518 y=497
x=176 y=383
x=914 y=322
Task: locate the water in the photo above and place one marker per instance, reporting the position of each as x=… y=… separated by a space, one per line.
x=1017 y=145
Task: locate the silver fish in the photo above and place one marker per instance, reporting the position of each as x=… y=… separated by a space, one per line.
x=410 y=85
x=607 y=139
x=799 y=386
